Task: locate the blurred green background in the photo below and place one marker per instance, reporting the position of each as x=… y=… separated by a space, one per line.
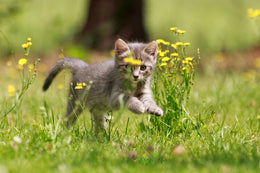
x=213 y=26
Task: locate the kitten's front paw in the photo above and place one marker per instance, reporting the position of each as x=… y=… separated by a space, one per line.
x=136 y=106
x=155 y=110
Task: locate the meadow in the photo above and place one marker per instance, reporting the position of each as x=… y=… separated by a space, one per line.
x=214 y=127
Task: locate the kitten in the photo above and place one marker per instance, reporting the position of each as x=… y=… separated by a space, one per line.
x=113 y=82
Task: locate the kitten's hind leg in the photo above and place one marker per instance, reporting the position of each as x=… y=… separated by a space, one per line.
x=99 y=118
x=74 y=110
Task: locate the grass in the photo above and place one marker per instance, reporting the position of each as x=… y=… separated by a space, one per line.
x=224 y=108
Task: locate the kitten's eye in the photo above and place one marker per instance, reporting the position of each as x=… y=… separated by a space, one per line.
x=142 y=67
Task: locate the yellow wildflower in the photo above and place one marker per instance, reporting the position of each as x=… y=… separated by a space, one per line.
x=78 y=87
x=174 y=46
x=29 y=44
x=31 y=66
x=165 y=59
x=180 y=31
x=83 y=84
x=136 y=62
x=162 y=54
x=132 y=61
x=187 y=44
x=166 y=43
x=128 y=60
x=185 y=62
x=22 y=61
x=163 y=64
x=179 y=43
x=25 y=45
x=159 y=41
x=11 y=90
x=189 y=59
x=187 y=69
x=175 y=54
x=173 y=28
x=253 y=13
x=29 y=39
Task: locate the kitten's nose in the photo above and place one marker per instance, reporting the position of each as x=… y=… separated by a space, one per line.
x=136 y=76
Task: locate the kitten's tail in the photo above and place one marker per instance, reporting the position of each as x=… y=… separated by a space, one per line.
x=70 y=63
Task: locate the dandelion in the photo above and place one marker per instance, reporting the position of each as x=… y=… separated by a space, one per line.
x=29 y=44
x=163 y=64
x=174 y=54
x=173 y=28
x=133 y=61
x=179 y=43
x=253 y=13
x=174 y=46
x=31 y=66
x=22 y=61
x=189 y=59
x=159 y=41
x=165 y=59
x=11 y=90
x=25 y=45
x=78 y=87
x=187 y=44
x=180 y=31
x=29 y=39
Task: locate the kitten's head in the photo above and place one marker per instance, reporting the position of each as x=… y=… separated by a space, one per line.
x=146 y=53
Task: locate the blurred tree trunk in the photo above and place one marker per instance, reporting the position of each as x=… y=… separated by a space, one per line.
x=108 y=20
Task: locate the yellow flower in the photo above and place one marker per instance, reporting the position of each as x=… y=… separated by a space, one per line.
x=185 y=62
x=162 y=54
x=179 y=43
x=11 y=90
x=253 y=13
x=174 y=46
x=187 y=69
x=166 y=43
x=29 y=44
x=189 y=59
x=173 y=28
x=165 y=59
x=175 y=54
x=25 y=45
x=159 y=41
x=22 y=61
x=132 y=61
x=31 y=66
x=83 y=84
x=136 y=62
x=128 y=60
x=180 y=31
x=163 y=64
x=78 y=87
x=29 y=39
x=187 y=44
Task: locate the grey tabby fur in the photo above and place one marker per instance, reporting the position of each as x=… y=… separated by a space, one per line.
x=111 y=83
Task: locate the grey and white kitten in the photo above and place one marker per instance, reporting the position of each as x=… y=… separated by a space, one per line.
x=114 y=82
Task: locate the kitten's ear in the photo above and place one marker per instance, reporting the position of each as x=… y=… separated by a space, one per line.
x=151 y=48
x=121 y=47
